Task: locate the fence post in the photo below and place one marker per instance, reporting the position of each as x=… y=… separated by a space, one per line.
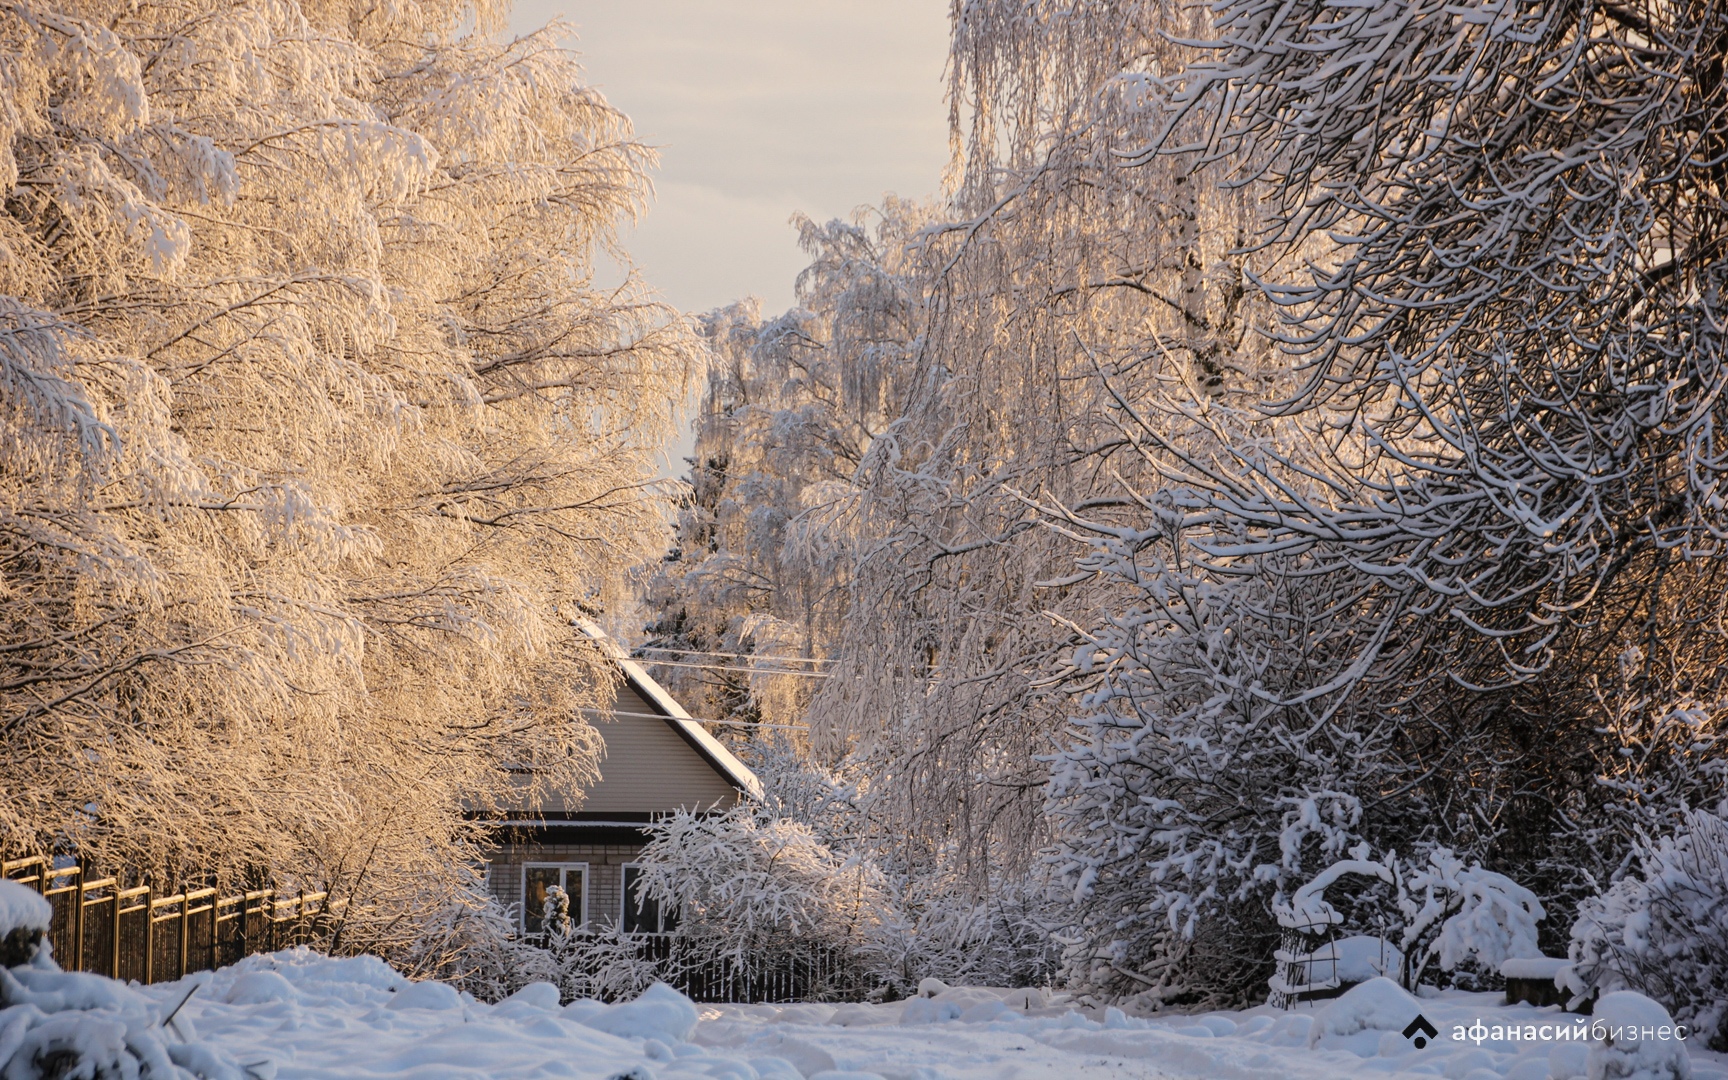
x=114 y=935
x=215 y=929
x=78 y=918
x=185 y=922
x=149 y=933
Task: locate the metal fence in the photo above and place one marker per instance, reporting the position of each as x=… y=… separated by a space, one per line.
x=132 y=933
x=806 y=972
x=788 y=971
x=1307 y=960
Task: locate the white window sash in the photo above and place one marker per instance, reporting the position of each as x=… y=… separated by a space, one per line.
x=580 y=917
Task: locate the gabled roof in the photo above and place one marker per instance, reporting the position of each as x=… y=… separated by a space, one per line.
x=720 y=759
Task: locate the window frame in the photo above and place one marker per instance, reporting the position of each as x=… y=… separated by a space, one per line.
x=580 y=918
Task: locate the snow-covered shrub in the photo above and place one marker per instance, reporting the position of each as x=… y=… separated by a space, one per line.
x=1465 y=918
x=751 y=884
x=1462 y=914
x=802 y=869
x=555 y=915
x=1189 y=802
x=1640 y=1041
x=24 y=921
x=1662 y=929
x=474 y=946
x=610 y=966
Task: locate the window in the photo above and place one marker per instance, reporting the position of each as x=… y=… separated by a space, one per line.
x=538 y=877
x=642 y=914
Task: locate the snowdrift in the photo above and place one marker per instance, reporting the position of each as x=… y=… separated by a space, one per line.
x=298 y=1015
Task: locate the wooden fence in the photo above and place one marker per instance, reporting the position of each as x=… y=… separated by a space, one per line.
x=132 y=933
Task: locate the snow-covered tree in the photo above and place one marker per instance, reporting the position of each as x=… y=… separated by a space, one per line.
x=316 y=434
x=762 y=560
x=1054 y=263
x=1407 y=573
x=1307 y=437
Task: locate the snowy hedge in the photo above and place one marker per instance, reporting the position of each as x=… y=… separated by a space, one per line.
x=1663 y=929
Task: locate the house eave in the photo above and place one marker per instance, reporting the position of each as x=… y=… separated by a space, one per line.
x=720 y=759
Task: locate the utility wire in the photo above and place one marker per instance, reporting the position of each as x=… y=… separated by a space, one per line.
x=737 y=656
x=696 y=719
x=733 y=668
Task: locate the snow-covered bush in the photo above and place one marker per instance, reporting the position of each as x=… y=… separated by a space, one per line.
x=24 y=922
x=1466 y=919
x=1460 y=914
x=1662 y=929
x=757 y=884
x=802 y=869
x=610 y=965
x=474 y=945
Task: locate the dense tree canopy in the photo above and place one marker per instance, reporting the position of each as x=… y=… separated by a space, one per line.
x=1308 y=435
x=318 y=432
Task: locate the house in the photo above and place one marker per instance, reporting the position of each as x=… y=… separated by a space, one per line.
x=657 y=760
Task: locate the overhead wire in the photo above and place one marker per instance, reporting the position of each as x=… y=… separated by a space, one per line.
x=737 y=656
x=697 y=719
x=748 y=670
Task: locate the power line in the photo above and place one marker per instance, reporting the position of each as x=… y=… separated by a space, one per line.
x=737 y=656
x=733 y=668
x=696 y=719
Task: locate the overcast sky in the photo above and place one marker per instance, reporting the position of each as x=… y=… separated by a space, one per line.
x=762 y=108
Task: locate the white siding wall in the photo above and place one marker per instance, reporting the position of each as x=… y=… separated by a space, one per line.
x=648 y=768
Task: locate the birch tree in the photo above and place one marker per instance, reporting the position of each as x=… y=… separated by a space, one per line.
x=318 y=433
x=1055 y=263
x=763 y=557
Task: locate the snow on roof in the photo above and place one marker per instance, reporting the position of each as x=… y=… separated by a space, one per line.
x=720 y=759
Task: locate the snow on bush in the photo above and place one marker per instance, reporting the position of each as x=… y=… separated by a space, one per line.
x=1640 y=1043
x=1663 y=929
x=1447 y=911
x=24 y=918
x=758 y=882
x=1482 y=916
x=1308 y=906
x=803 y=869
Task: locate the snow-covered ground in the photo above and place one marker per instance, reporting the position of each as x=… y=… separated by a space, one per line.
x=294 y=1015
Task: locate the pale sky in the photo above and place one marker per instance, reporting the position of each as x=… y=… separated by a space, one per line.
x=762 y=108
